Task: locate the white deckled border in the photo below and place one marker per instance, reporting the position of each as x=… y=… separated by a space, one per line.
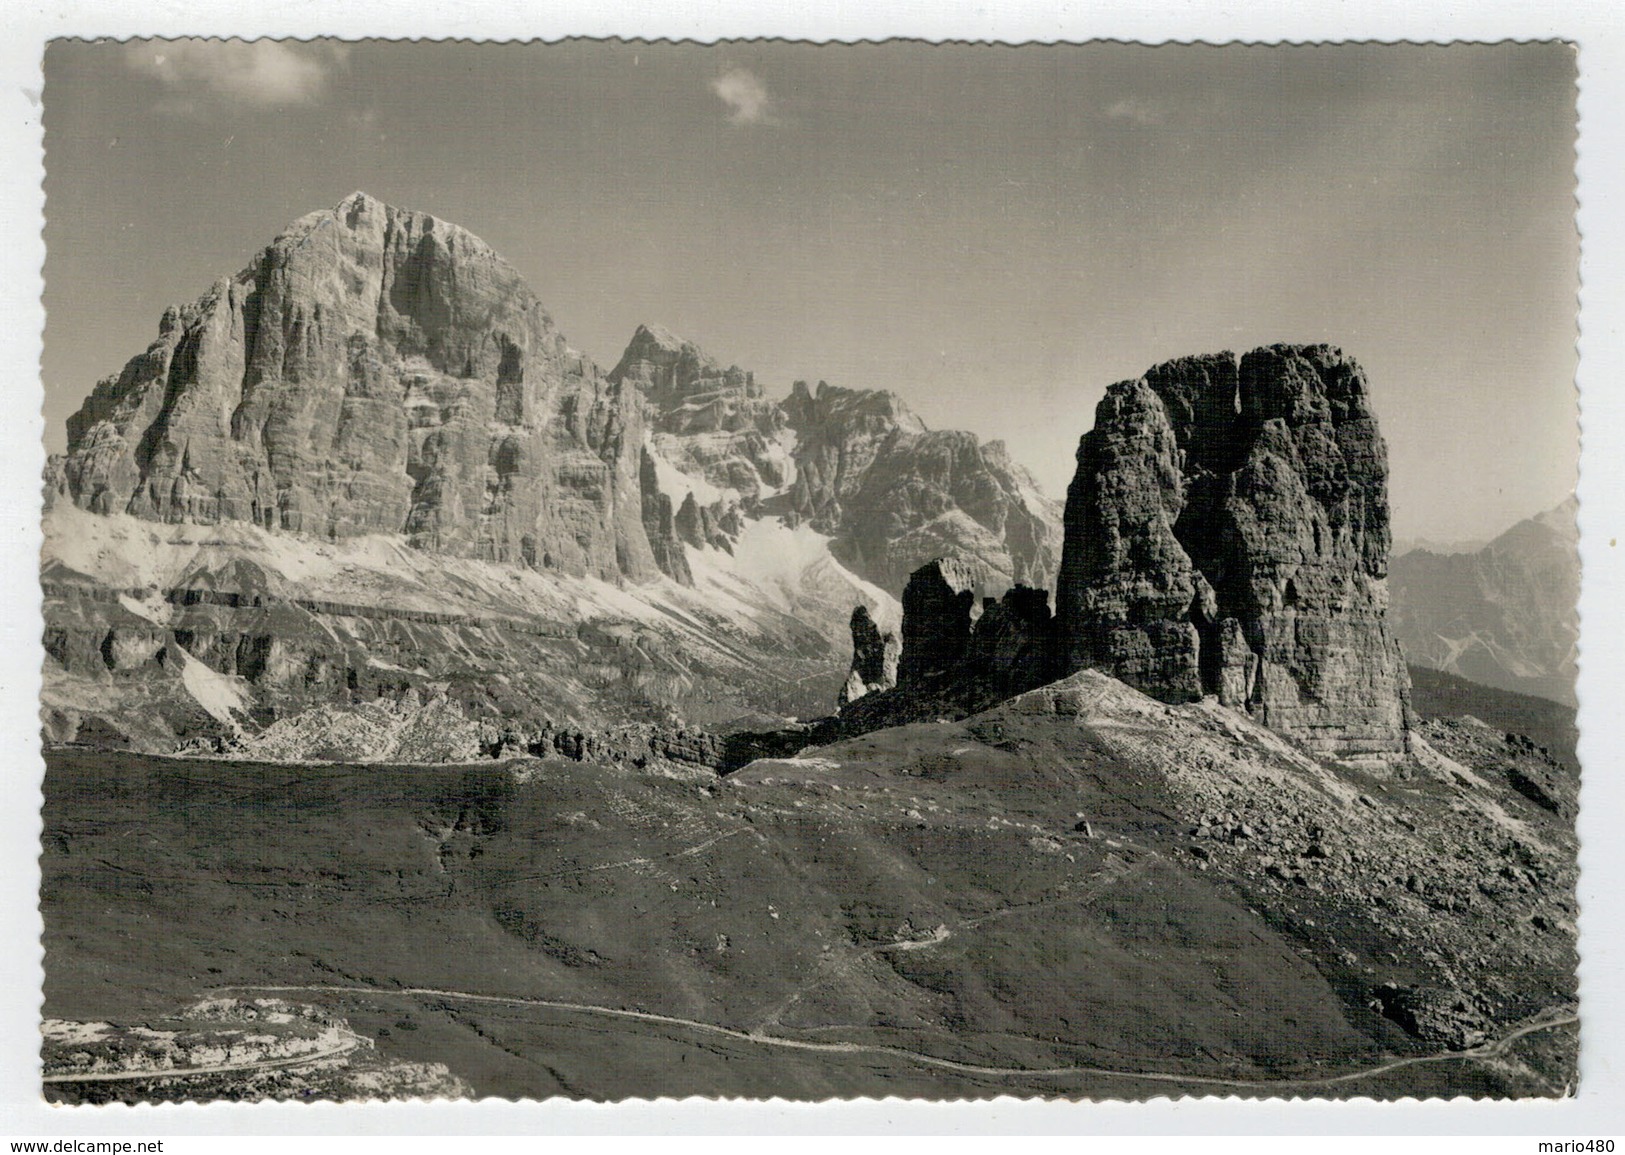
x=1595 y=24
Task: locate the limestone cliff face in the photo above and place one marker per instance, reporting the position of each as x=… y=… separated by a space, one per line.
x=855 y=464
x=840 y=433
x=1127 y=586
x=895 y=494
x=375 y=369
x=946 y=492
x=660 y=523
x=1227 y=533
x=709 y=422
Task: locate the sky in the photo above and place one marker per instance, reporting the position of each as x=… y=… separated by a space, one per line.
x=995 y=233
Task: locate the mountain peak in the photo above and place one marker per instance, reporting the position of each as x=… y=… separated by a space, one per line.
x=669 y=370
x=656 y=334
x=363 y=375
x=1561 y=519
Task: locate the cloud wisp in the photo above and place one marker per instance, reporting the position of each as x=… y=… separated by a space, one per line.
x=746 y=97
x=259 y=73
x=1134 y=111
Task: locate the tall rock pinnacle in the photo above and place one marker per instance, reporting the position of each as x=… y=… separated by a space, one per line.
x=1227 y=533
x=874 y=659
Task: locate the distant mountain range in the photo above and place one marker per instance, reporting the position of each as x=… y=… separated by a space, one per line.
x=1404 y=545
x=1505 y=615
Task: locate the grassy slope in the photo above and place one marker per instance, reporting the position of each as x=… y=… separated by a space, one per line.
x=779 y=901
x=1436 y=694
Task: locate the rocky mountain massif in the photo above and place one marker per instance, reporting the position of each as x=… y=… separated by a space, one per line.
x=1503 y=616
x=374 y=370
x=369 y=462
x=854 y=464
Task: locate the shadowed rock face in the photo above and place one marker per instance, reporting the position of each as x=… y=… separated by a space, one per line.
x=1012 y=644
x=840 y=433
x=1127 y=586
x=660 y=523
x=375 y=369
x=1227 y=533
x=937 y=607
x=955 y=659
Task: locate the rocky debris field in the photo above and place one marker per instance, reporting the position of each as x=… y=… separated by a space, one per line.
x=245 y=1050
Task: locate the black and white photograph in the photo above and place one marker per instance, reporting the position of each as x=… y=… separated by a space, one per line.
x=612 y=569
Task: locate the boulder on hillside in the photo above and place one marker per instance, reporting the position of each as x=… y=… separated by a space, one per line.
x=1438 y=1015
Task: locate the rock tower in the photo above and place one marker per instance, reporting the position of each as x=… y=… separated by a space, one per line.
x=1227 y=534
x=874 y=659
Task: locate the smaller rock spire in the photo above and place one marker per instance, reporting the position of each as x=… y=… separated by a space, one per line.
x=874 y=659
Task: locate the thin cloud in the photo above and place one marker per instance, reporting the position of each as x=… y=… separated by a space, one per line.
x=260 y=73
x=363 y=119
x=746 y=97
x=1135 y=112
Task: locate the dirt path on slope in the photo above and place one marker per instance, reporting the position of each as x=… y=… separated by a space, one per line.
x=1488 y=1050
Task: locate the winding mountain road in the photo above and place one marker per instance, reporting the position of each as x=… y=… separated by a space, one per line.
x=1492 y=1049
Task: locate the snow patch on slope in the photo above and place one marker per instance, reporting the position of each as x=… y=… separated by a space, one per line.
x=220 y=695
x=790 y=566
x=676 y=484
